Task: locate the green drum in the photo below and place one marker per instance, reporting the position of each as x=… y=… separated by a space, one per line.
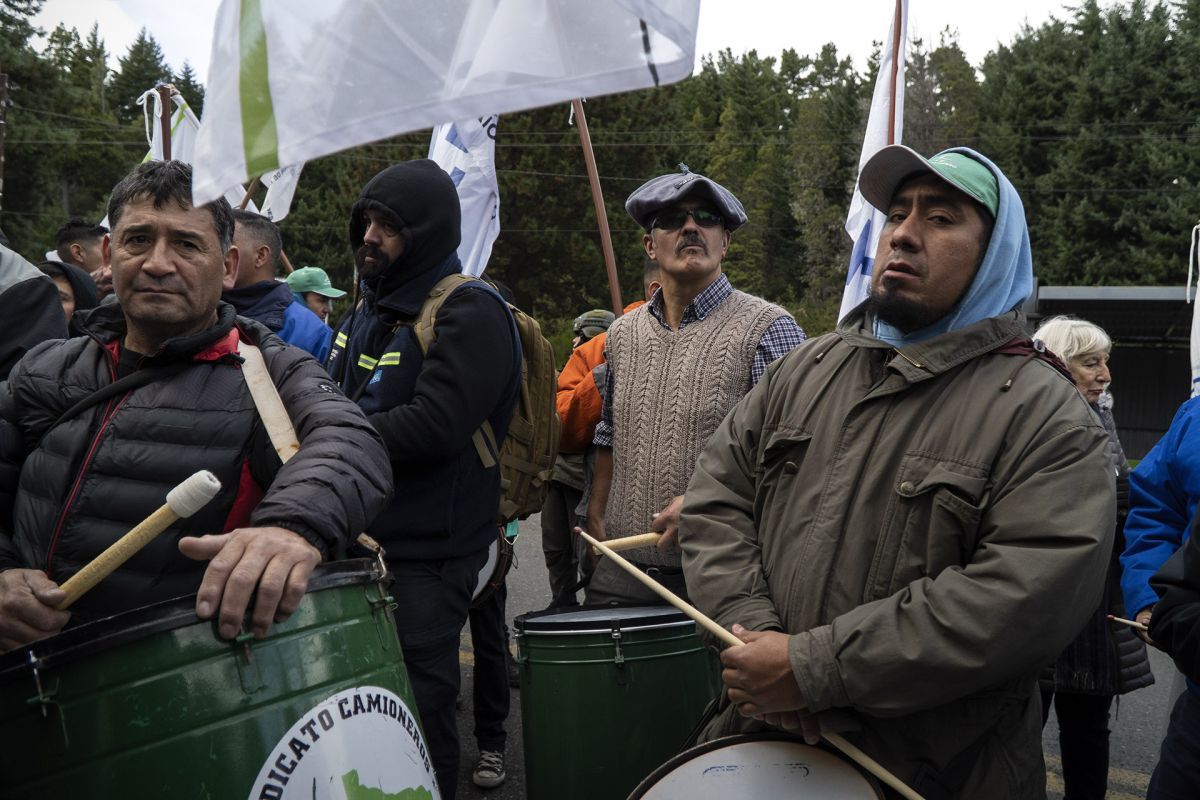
x=151 y=703
x=608 y=693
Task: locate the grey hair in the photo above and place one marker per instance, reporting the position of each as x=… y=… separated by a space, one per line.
x=163 y=181
x=1068 y=337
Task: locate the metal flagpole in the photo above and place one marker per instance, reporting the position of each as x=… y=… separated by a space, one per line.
x=610 y=260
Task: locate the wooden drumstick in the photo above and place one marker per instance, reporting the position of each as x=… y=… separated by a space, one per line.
x=630 y=542
x=853 y=753
x=1131 y=623
x=183 y=501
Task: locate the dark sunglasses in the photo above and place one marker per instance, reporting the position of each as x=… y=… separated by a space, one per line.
x=674 y=220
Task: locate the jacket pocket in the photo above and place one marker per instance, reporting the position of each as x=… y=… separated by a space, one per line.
x=931 y=524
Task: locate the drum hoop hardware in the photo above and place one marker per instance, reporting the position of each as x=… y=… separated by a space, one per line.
x=249 y=672
x=43 y=698
x=658 y=626
x=618 y=656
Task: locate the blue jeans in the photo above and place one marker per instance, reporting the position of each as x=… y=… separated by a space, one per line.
x=432 y=600
x=1177 y=776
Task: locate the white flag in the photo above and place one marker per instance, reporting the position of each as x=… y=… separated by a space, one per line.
x=467 y=151
x=184 y=129
x=864 y=222
x=291 y=80
x=281 y=187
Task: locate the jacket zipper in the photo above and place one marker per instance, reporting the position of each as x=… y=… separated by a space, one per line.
x=110 y=411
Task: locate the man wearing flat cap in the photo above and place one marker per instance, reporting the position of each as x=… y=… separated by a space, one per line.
x=882 y=519
x=675 y=367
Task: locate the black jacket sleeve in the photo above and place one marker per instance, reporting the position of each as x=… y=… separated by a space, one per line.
x=466 y=373
x=1175 y=625
x=340 y=479
x=32 y=315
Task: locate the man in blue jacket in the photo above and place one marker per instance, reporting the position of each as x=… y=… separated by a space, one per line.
x=405 y=231
x=257 y=295
x=1164 y=493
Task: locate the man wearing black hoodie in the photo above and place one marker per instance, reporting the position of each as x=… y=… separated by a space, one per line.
x=405 y=230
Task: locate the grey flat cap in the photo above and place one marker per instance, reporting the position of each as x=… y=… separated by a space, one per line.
x=666 y=190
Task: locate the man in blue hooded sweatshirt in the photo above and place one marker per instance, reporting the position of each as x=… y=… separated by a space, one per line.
x=405 y=230
x=882 y=518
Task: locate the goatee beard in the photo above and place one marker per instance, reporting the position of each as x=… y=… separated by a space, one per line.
x=903 y=315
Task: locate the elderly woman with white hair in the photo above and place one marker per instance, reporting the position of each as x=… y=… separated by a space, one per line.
x=1105 y=659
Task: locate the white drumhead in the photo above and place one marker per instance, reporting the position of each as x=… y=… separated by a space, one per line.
x=761 y=768
x=485 y=574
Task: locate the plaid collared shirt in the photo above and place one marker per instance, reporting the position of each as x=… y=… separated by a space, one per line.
x=779 y=338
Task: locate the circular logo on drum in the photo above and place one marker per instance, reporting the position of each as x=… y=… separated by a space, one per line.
x=360 y=744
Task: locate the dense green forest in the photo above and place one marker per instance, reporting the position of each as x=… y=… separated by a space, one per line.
x=1095 y=117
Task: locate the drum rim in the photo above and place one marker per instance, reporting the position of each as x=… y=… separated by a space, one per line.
x=92 y=638
x=684 y=756
x=545 y=627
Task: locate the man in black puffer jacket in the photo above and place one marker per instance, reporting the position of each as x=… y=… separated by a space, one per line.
x=405 y=231
x=69 y=488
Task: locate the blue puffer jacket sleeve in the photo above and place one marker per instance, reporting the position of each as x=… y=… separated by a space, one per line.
x=304 y=329
x=1164 y=493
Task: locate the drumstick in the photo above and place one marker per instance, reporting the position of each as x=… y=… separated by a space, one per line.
x=630 y=542
x=853 y=753
x=183 y=501
x=1131 y=623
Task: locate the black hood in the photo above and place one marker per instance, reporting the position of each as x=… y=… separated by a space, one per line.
x=423 y=202
x=82 y=286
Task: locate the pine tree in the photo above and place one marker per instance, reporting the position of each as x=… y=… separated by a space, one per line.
x=140 y=69
x=191 y=88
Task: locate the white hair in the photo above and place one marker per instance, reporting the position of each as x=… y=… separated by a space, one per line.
x=1068 y=337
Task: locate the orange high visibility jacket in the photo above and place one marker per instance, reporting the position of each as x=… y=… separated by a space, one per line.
x=578 y=399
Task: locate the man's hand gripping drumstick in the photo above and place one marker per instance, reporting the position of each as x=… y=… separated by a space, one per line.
x=742 y=660
x=33 y=607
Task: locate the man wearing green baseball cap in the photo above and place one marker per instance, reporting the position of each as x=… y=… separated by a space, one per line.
x=881 y=520
x=312 y=286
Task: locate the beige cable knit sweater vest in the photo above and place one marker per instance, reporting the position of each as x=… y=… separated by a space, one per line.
x=672 y=389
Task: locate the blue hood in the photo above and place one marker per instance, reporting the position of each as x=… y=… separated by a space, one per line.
x=1004 y=279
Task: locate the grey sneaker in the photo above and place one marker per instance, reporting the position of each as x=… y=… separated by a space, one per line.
x=489 y=772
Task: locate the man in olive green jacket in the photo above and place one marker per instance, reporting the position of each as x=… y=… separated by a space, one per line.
x=908 y=518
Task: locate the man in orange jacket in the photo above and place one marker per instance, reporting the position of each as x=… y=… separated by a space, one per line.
x=579 y=403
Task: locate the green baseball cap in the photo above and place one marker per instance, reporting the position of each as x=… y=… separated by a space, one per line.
x=894 y=164
x=313 y=279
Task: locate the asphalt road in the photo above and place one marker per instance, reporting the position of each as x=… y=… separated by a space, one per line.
x=1138 y=720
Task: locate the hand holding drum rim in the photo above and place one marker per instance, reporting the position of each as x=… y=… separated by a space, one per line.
x=27 y=607
x=759 y=678
x=273 y=564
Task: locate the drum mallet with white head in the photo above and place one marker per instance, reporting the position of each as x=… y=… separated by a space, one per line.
x=182 y=502
x=853 y=753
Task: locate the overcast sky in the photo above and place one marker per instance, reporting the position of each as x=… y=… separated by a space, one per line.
x=184 y=29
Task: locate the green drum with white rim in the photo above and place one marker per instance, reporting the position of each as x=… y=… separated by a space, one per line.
x=608 y=693
x=152 y=703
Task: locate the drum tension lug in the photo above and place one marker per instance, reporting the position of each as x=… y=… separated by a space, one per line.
x=619 y=657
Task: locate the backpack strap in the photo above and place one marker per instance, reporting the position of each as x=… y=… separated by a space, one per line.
x=437 y=297
x=484 y=438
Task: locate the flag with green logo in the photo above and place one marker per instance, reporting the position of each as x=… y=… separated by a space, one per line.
x=291 y=80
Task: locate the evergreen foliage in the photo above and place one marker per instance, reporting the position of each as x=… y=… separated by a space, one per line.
x=1093 y=117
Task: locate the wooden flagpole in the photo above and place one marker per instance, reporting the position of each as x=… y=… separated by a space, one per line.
x=896 y=44
x=164 y=119
x=610 y=260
